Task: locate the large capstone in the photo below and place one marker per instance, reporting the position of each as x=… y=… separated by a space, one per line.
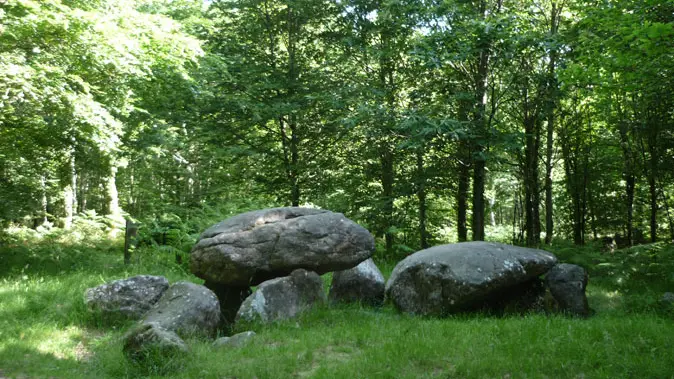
x=127 y=298
x=252 y=247
x=361 y=284
x=465 y=276
x=282 y=298
x=567 y=283
x=187 y=309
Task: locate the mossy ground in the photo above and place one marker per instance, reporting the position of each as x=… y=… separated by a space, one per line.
x=46 y=331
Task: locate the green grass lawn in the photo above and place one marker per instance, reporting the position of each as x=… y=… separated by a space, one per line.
x=45 y=330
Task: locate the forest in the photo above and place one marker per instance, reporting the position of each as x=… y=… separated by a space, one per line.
x=540 y=123
x=425 y=121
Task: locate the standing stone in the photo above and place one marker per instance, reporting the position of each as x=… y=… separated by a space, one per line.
x=464 y=276
x=283 y=298
x=252 y=247
x=151 y=341
x=363 y=283
x=186 y=309
x=567 y=283
x=127 y=298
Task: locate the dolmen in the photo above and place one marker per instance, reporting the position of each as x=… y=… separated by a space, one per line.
x=484 y=276
x=258 y=248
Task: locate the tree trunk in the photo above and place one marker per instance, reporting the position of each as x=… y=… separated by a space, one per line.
x=70 y=193
x=628 y=177
x=387 y=179
x=462 y=193
x=552 y=104
x=665 y=203
x=531 y=189
x=294 y=161
x=492 y=214
x=111 y=194
x=480 y=120
x=421 y=195
x=653 y=174
x=45 y=200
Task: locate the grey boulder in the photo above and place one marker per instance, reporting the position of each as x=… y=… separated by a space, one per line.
x=186 y=309
x=567 y=283
x=127 y=298
x=363 y=283
x=252 y=247
x=152 y=342
x=282 y=298
x=464 y=276
x=237 y=340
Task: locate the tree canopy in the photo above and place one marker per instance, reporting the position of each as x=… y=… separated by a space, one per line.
x=424 y=121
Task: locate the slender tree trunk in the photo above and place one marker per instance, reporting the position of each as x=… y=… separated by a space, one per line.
x=70 y=193
x=462 y=192
x=45 y=200
x=421 y=196
x=111 y=194
x=552 y=104
x=665 y=203
x=387 y=180
x=629 y=178
x=463 y=170
x=492 y=214
x=84 y=189
x=531 y=192
x=630 y=185
x=653 y=174
x=294 y=161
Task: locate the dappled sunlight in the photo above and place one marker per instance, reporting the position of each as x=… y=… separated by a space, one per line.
x=59 y=343
x=602 y=299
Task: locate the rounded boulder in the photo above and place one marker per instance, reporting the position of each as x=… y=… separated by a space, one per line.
x=458 y=277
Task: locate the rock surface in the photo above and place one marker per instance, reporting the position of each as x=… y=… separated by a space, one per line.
x=464 y=276
x=363 y=283
x=252 y=247
x=129 y=298
x=186 y=309
x=237 y=340
x=567 y=283
x=283 y=298
x=151 y=341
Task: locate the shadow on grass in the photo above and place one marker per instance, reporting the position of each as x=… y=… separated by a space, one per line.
x=17 y=360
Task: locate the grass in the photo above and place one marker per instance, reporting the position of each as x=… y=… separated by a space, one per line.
x=45 y=330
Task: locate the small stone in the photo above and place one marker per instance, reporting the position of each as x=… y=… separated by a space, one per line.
x=151 y=341
x=186 y=309
x=237 y=340
x=363 y=283
x=129 y=298
x=283 y=298
x=567 y=283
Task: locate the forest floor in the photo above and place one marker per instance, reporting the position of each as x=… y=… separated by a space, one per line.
x=46 y=331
